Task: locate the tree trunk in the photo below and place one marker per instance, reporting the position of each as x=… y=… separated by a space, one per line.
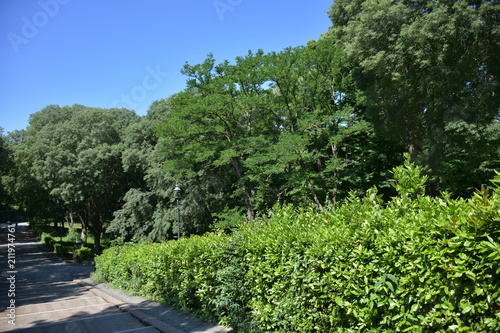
x=414 y=147
x=96 y=230
x=69 y=220
x=248 y=189
x=310 y=186
x=336 y=175
x=83 y=236
x=97 y=243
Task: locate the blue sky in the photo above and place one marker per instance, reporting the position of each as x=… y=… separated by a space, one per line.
x=129 y=53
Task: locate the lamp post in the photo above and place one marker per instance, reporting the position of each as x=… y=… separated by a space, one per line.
x=177 y=195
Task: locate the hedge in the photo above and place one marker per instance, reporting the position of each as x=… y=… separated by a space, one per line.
x=413 y=264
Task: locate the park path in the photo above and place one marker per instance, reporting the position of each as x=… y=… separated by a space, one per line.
x=39 y=292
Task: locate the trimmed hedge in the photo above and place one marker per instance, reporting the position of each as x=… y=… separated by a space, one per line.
x=414 y=264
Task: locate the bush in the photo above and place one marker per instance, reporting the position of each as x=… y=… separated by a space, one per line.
x=83 y=254
x=58 y=248
x=414 y=264
x=47 y=239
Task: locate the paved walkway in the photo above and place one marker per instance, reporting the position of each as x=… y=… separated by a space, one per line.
x=39 y=292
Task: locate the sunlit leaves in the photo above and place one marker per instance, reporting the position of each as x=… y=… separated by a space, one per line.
x=413 y=264
x=75 y=155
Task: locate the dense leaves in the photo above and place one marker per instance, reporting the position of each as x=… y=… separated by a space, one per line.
x=286 y=125
x=304 y=125
x=414 y=264
x=289 y=151
x=430 y=74
x=5 y=166
x=72 y=157
x=148 y=212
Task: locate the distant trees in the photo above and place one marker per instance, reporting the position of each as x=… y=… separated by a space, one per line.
x=71 y=162
x=5 y=165
x=148 y=212
x=306 y=125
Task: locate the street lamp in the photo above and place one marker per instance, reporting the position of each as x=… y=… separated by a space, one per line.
x=177 y=195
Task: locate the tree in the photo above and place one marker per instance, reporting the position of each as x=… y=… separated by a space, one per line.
x=424 y=67
x=470 y=156
x=74 y=154
x=214 y=123
x=148 y=210
x=423 y=64
x=281 y=122
x=314 y=100
x=5 y=167
x=25 y=191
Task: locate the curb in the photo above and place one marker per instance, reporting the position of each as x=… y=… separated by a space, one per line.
x=125 y=307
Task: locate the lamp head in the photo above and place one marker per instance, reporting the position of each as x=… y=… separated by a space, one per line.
x=177 y=192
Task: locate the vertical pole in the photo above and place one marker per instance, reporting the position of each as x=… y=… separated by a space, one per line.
x=178 y=221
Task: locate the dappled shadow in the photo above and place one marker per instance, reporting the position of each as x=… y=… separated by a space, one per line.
x=33 y=262
x=43 y=292
x=180 y=320
x=33 y=277
x=109 y=320
x=44 y=283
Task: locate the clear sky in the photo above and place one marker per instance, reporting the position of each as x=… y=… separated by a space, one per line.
x=129 y=53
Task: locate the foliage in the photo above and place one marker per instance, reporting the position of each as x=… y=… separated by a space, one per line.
x=429 y=73
x=83 y=254
x=5 y=165
x=72 y=235
x=415 y=263
x=283 y=126
x=409 y=180
x=307 y=124
x=46 y=239
x=62 y=241
x=148 y=209
x=71 y=158
x=468 y=157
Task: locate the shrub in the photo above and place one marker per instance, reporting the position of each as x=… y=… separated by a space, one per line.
x=46 y=239
x=83 y=254
x=72 y=235
x=58 y=248
x=414 y=264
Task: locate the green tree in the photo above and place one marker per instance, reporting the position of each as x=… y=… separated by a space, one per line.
x=218 y=121
x=5 y=166
x=74 y=154
x=25 y=191
x=286 y=124
x=314 y=99
x=469 y=157
x=425 y=67
x=148 y=212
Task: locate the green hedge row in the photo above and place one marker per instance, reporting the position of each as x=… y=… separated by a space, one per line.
x=414 y=264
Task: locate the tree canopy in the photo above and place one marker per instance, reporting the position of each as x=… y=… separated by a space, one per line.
x=74 y=157
x=430 y=73
x=306 y=125
x=280 y=122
